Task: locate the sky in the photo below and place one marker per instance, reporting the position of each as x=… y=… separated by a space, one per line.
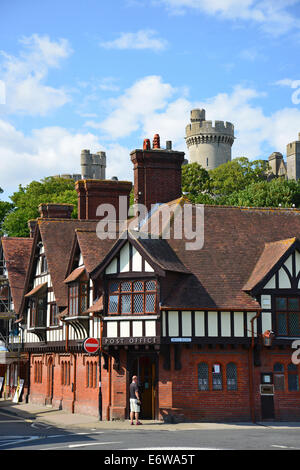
x=103 y=76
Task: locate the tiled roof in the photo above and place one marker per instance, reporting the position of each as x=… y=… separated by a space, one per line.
x=75 y=274
x=234 y=240
x=272 y=253
x=93 y=249
x=17 y=252
x=36 y=289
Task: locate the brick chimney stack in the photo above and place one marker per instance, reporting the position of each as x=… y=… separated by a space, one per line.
x=55 y=211
x=157 y=173
x=93 y=193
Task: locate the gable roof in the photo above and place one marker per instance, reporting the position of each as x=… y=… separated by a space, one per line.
x=57 y=237
x=272 y=256
x=157 y=253
x=17 y=252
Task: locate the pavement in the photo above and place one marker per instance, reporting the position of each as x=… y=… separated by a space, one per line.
x=64 y=419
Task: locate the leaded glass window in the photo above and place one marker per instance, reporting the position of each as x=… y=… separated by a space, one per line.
x=127 y=297
x=231 y=376
x=217 y=377
x=203 y=376
x=288 y=316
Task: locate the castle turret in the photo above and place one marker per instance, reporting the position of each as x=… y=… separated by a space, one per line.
x=93 y=166
x=293 y=159
x=208 y=144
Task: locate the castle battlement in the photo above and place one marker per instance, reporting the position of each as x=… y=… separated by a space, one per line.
x=209 y=142
x=208 y=127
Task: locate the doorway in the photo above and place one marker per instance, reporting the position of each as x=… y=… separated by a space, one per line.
x=267 y=396
x=50 y=368
x=144 y=367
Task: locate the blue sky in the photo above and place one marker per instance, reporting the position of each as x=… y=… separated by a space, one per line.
x=105 y=75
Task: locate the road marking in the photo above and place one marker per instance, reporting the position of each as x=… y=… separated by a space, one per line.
x=173 y=448
x=284 y=447
x=71 y=446
x=20 y=439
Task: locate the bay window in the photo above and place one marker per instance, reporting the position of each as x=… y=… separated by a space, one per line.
x=132 y=297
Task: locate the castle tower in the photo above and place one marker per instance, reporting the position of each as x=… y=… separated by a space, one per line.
x=293 y=159
x=208 y=145
x=93 y=166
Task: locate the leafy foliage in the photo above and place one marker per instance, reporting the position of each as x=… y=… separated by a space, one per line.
x=26 y=200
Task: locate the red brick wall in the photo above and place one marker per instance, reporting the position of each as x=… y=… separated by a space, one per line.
x=178 y=389
x=178 y=393
x=286 y=403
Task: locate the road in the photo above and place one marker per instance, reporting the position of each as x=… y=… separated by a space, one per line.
x=18 y=433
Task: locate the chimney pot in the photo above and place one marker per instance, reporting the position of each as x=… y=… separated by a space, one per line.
x=146 y=144
x=156 y=142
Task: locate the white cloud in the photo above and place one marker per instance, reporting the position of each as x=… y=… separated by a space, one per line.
x=51 y=151
x=142 y=39
x=24 y=76
x=273 y=15
x=145 y=97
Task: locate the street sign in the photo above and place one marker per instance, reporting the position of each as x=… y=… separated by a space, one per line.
x=91 y=345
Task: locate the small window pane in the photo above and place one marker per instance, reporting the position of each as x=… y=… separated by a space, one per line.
x=293 y=383
x=126 y=286
x=294 y=324
x=138 y=286
x=114 y=287
x=150 y=302
x=113 y=304
x=217 y=377
x=281 y=324
x=293 y=304
x=203 y=376
x=150 y=285
x=138 y=306
x=126 y=304
x=281 y=303
x=231 y=375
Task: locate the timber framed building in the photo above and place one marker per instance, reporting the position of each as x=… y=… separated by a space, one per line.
x=209 y=332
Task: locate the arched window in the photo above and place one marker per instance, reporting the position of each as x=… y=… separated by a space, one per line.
x=217 y=382
x=231 y=376
x=293 y=379
x=203 y=376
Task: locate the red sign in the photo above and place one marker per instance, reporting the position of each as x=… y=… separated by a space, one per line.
x=91 y=345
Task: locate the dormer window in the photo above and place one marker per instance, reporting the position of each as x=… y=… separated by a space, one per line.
x=78 y=297
x=132 y=297
x=38 y=311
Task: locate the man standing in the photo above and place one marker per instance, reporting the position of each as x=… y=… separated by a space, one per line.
x=134 y=401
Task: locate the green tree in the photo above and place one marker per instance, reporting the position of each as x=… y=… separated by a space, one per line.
x=196 y=183
x=5 y=208
x=236 y=175
x=267 y=194
x=26 y=200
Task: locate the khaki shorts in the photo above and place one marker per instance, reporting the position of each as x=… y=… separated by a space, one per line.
x=134 y=407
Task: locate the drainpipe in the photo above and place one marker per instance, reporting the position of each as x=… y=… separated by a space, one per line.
x=109 y=389
x=100 y=384
x=251 y=369
x=74 y=384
